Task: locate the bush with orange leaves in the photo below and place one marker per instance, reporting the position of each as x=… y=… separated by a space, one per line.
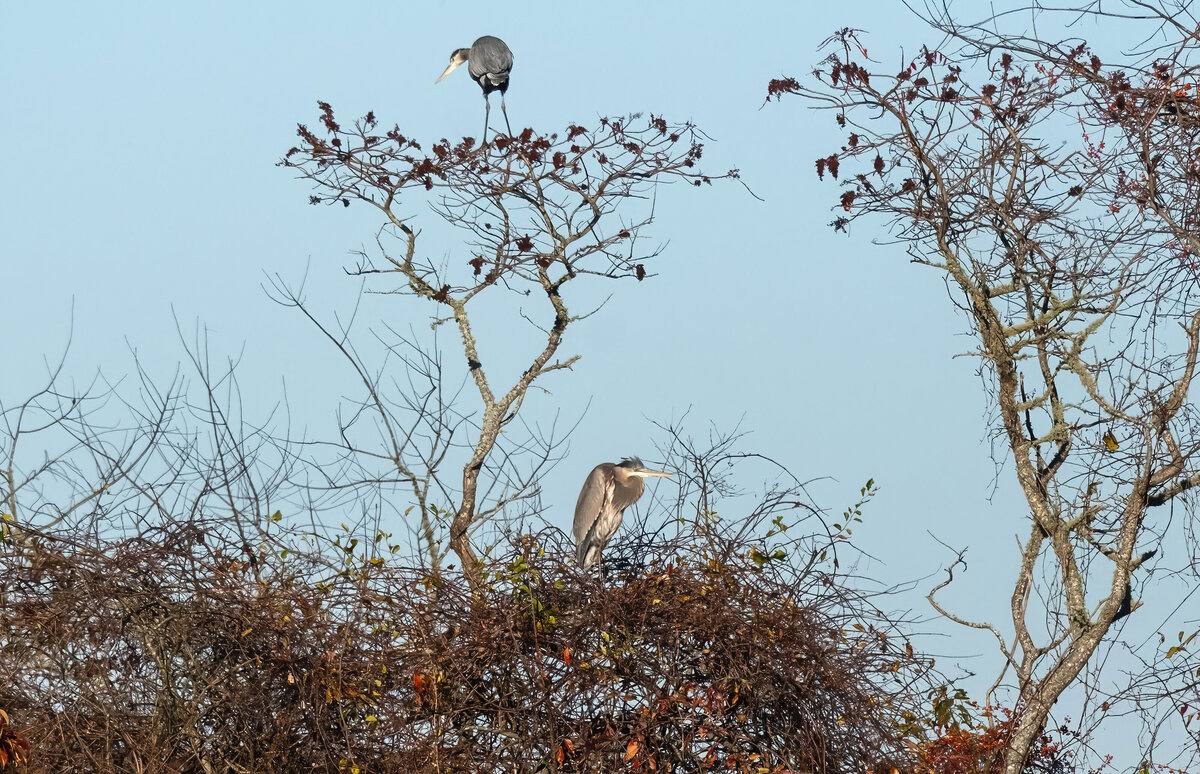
x=957 y=736
x=14 y=748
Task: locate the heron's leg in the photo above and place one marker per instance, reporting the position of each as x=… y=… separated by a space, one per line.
x=504 y=110
x=486 y=114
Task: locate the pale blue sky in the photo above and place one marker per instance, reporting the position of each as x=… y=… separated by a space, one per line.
x=140 y=178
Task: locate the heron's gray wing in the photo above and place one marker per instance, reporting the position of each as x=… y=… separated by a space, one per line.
x=490 y=56
x=591 y=500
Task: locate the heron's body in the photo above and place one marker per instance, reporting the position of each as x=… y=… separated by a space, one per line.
x=610 y=489
x=489 y=63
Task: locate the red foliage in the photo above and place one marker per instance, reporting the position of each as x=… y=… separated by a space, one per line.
x=327 y=117
x=978 y=747
x=13 y=747
x=780 y=86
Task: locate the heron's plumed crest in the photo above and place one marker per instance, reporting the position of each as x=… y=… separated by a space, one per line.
x=632 y=462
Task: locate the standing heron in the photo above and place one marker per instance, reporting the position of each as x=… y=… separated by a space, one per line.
x=610 y=489
x=490 y=62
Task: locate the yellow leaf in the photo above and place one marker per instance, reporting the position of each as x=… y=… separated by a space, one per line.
x=630 y=750
x=1110 y=441
x=247 y=631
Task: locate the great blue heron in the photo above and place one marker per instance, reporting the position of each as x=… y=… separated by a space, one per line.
x=490 y=62
x=610 y=489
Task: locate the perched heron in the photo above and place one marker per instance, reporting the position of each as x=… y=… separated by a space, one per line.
x=490 y=62
x=610 y=489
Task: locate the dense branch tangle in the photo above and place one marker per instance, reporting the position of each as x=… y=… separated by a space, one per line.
x=538 y=211
x=1069 y=273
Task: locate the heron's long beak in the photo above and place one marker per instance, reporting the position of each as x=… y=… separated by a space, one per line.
x=652 y=473
x=447 y=71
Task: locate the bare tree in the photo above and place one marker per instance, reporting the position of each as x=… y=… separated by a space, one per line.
x=536 y=213
x=1057 y=193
